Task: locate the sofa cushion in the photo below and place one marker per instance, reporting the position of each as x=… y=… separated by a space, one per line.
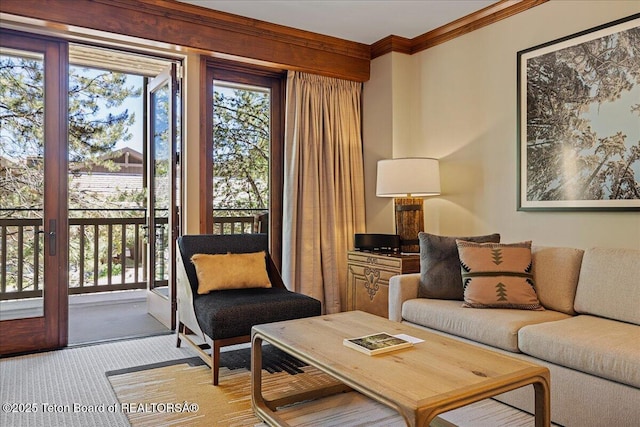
x=597 y=346
x=555 y=274
x=497 y=327
x=497 y=275
x=440 y=265
x=609 y=284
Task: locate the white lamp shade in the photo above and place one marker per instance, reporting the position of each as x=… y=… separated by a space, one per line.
x=408 y=177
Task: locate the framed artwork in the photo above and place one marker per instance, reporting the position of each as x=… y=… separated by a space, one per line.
x=579 y=121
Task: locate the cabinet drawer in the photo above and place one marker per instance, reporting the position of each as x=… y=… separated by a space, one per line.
x=381 y=261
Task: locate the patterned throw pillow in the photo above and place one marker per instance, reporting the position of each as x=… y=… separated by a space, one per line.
x=497 y=275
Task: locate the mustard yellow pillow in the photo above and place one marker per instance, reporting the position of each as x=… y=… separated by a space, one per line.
x=230 y=271
x=497 y=275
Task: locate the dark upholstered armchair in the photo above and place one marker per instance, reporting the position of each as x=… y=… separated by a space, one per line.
x=225 y=317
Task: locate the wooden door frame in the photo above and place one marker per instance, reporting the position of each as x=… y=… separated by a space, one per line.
x=49 y=331
x=217 y=69
x=155 y=302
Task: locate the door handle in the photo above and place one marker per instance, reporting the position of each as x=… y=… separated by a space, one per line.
x=52 y=237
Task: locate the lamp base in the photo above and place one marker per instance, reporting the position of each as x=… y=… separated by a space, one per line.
x=409 y=222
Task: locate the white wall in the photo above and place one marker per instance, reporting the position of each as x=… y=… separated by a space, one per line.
x=387 y=120
x=377 y=128
x=462 y=109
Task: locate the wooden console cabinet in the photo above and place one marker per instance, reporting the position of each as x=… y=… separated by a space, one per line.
x=368 y=278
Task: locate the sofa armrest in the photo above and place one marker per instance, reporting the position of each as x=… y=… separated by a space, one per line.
x=401 y=288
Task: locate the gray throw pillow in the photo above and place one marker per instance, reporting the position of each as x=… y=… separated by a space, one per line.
x=440 y=275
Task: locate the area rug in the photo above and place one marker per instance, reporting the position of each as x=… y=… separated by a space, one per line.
x=180 y=393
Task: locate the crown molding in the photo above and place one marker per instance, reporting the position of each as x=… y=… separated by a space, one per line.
x=489 y=15
x=391 y=44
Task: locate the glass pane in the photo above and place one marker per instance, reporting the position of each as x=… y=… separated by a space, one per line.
x=107 y=201
x=241 y=137
x=21 y=184
x=162 y=182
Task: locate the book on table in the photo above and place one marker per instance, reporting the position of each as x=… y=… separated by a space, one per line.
x=380 y=342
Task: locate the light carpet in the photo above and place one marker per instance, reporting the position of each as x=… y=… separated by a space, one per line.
x=57 y=380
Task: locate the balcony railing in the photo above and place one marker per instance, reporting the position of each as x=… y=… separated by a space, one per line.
x=237 y=221
x=105 y=254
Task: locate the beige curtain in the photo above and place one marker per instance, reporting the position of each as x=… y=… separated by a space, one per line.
x=323 y=185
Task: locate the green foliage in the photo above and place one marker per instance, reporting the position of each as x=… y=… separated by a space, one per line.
x=103 y=271
x=93 y=129
x=21 y=130
x=241 y=149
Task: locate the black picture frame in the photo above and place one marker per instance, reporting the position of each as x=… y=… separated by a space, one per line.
x=578 y=112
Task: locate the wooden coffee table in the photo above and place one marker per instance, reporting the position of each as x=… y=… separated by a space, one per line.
x=434 y=376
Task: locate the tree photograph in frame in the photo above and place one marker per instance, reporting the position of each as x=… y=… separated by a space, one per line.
x=579 y=120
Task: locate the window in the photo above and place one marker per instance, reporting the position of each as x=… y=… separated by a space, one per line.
x=242 y=174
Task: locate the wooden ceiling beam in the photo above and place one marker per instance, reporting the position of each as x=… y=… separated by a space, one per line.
x=233 y=36
x=181 y=24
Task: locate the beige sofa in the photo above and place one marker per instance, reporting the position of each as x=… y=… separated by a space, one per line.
x=588 y=335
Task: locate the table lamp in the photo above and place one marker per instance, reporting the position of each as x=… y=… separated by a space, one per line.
x=408 y=180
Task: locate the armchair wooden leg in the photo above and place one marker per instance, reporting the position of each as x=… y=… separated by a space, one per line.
x=215 y=361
